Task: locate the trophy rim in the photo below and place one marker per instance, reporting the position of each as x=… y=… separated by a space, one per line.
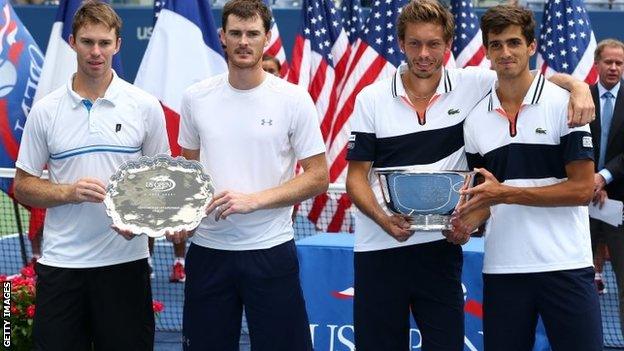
x=170 y=161
x=389 y=197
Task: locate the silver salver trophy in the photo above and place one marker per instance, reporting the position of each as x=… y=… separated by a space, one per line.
x=152 y=195
x=427 y=197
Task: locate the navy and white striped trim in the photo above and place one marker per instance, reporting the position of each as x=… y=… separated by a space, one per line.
x=446 y=81
x=539 y=87
x=95 y=148
x=535 y=92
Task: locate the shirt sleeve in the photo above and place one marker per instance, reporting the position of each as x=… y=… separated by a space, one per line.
x=189 y=136
x=156 y=140
x=483 y=79
x=34 y=152
x=576 y=143
x=305 y=132
x=474 y=158
x=362 y=141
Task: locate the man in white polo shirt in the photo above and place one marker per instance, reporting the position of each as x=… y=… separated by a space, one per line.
x=539 y=177
x=93 y=286
x=249 y=128
x=413 y=119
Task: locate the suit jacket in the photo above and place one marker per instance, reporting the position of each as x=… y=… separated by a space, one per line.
x=614 y=157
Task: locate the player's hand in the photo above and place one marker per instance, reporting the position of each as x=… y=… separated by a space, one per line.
x=397 y=226
x=179 y=236
x=230 y=202
x=87 y=190
x=581 y=109
x=484 y=195
x=128 y=235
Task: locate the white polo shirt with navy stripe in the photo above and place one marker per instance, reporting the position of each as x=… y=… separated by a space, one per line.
x=75 y=138
x=387 y=131
x=531 y=149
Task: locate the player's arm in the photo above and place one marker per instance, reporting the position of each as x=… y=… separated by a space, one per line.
x=313 y=181
x=33 y=191
x=362 y=195
x=581 y=109
x=576 y=190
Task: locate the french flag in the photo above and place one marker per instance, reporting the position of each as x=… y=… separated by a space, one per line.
x=184 y=48
x=60 y=59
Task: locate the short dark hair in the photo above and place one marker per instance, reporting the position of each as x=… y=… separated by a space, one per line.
x=497 y=18
x=426 y=11
x=247 y=9
x=273 y=59
x=96 y=12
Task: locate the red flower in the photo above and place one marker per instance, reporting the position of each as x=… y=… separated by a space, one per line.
x=30 y=311
x=3 y=278
x=14 y=310
x=157 y=306
x=28 y=272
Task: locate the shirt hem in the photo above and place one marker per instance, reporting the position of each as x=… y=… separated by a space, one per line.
x=366 y=248
x=61 y=264
x=536 y=269
x=237 y=247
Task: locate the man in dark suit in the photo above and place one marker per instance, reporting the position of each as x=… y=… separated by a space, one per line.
x=608 y=138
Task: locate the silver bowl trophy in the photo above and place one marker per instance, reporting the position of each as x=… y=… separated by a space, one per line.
x=427 y=197
x=152 y=195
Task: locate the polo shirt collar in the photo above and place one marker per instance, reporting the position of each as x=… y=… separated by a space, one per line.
x=446 y=84
x=111 y=95
x=533 y=96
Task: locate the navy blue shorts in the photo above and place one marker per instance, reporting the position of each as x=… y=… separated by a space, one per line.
x=219 y=283
x=566 y=300
x=423 y=277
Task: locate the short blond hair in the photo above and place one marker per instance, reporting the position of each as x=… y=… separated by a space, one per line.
x=426 y=11
x=611 y=43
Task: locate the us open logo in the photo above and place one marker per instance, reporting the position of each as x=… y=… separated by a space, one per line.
x=160 y=184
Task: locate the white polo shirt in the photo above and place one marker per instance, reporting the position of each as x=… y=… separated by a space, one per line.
x=74 y=142
x=386 y=130
x=531 y=152
x=249 y=141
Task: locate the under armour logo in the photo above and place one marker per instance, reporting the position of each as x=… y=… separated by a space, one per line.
x=267 y=121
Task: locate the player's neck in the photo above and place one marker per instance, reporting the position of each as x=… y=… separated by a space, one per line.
x=91 y=88
x=245 y=78
x=425 y=87
x=513 y=90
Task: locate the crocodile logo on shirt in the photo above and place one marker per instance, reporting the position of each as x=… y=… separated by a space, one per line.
x=539 y=130
x=453 y=111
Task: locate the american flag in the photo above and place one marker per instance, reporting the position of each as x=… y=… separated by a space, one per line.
x=275 y=47
x=320 y=56
x=566 y=43
x=319 y=63
x=376 y=57
x=467 y=42
x=352 y=18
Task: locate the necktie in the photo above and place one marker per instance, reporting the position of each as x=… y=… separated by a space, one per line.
x=605 y=125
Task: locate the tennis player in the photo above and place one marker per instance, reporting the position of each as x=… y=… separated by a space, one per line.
x=93 y=286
